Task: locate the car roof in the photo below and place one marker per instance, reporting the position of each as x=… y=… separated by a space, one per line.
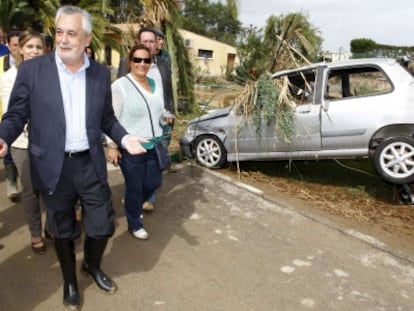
x=344 y=63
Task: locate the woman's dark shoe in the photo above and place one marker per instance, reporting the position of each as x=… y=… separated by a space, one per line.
x=71 y=298
x=39 y=247
x=102 y=281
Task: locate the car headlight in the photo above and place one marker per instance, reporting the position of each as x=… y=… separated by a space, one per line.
x=191 y=129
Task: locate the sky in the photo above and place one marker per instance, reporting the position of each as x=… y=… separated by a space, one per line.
x=340 y=21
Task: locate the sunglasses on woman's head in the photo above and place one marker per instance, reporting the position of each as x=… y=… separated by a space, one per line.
x=138 y=60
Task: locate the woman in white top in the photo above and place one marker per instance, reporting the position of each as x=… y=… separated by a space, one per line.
x=31 y=45
x=139 y=107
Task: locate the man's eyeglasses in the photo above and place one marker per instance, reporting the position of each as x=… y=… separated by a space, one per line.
x=138 y=60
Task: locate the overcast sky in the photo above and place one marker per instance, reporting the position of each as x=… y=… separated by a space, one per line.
x=388 y=22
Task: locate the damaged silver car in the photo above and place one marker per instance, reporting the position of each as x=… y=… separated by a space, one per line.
x=362 y=108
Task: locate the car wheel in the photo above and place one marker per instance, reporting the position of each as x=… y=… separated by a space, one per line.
x=210 y=152
x=394 y=160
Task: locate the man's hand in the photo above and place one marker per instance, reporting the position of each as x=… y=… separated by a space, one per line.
x=113 y=156
x=3 y=148
x=133 y=144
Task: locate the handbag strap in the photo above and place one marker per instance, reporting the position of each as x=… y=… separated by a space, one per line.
x=146 y=103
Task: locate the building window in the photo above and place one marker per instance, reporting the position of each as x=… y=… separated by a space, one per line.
x=205 y=53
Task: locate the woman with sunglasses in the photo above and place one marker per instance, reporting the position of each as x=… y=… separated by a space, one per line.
x=139 y=107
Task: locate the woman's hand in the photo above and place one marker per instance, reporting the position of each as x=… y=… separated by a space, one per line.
x=133 y=144
x=3 y=148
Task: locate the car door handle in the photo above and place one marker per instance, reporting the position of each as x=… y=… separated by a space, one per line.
x=306 y=110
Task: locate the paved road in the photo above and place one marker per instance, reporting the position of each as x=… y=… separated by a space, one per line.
x=213 y=246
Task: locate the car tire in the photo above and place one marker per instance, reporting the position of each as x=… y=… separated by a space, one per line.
x=209 y=152
x=394 y=160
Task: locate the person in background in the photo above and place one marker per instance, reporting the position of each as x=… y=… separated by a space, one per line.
x=160 y=71
x=90 y=52
x=6 y=62
x=49 y=44
x=139 y=107
x=66 y=100
x=30 y=46
x=160 y=51
x=4 y=50
x=13 y=46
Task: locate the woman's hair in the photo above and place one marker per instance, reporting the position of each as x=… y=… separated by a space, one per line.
x=24 y=37
x=136 y=48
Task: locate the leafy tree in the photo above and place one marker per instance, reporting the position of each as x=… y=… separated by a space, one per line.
x=13 y=14
x=44 y=18
x=292 y=40
x=252 y=54
x=369 y=48
x=126 y=11
x=214 y=20
x=104 y=33
x=286 y=42
x=362 y=45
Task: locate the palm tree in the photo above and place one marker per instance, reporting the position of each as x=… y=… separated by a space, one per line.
x=13 y=13
x=165 y=15
x=45 y=14
x=292 y=40
x=104 y=33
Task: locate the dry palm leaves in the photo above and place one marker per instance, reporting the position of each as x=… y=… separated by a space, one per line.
x=267 y=101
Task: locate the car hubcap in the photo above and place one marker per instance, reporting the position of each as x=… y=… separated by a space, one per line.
x=397 y=160
x=208 y=152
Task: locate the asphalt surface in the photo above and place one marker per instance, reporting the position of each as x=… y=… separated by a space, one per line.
x=216 y=245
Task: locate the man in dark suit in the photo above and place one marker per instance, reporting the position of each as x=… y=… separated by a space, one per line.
x=66 y=100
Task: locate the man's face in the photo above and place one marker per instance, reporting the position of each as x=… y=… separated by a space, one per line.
x=160 y=42
x=148 y=39
x=71 y=39
x=1 y=35
x=13 y=44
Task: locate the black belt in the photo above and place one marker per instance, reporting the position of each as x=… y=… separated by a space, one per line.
x=73 y=154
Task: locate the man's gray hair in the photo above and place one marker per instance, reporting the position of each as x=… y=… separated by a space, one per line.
x=70 y=9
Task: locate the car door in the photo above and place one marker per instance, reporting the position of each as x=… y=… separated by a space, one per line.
x=270 y=139
x=353 y=98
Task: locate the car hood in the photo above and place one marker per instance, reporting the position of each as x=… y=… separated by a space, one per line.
x=219 y=113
